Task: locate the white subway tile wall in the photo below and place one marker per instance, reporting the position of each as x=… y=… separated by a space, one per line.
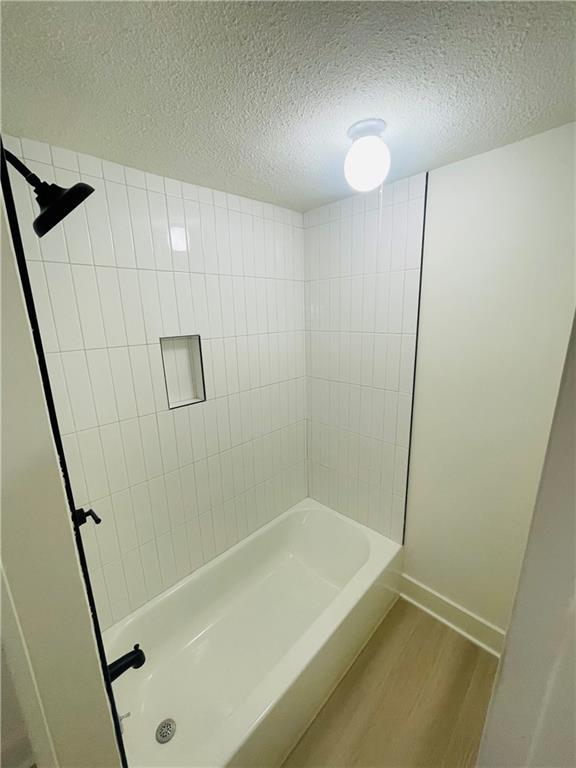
x=143 y=258
x=308 y=341
x=363 y=258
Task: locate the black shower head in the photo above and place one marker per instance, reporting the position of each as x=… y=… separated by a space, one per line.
x=56 y=203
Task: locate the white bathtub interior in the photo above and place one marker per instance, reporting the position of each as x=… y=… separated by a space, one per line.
x=228 y=643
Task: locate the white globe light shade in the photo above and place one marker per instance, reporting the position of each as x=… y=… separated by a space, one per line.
x=367 y=163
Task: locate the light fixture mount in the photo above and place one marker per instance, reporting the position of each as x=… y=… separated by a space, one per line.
x=372 y=126
x=367 y=161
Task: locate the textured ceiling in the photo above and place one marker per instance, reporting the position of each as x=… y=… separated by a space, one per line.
x=255 y=98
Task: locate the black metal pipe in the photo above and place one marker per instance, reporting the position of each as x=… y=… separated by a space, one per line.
x=30 y=177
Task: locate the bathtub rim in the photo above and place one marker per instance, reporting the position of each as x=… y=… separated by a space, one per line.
x=111 y=633
x=243 y=723
x=376 y=579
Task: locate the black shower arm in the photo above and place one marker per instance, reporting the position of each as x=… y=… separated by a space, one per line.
x=30 y=177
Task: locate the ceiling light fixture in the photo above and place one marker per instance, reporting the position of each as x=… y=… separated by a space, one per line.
x=368 y=160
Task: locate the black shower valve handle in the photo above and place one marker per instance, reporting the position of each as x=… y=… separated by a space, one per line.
x=81 y=515
x=94 y=516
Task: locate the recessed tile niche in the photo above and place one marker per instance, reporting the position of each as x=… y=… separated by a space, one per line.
x=183 y=370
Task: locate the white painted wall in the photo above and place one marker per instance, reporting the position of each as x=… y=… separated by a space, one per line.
x=496 y=307
x=24 y=704
x=363 y=258
x=532 y=717
x=47 y=629
x=147 y=257
x=15 y=747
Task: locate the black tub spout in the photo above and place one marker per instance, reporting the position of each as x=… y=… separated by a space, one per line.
x=133 y=659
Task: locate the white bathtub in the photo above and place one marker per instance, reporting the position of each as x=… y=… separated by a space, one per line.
x=242 y=653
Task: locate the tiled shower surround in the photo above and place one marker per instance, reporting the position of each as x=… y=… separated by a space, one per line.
x=147 y=257
x=363 y=258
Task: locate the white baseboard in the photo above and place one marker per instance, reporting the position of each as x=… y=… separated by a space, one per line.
x=486 y=635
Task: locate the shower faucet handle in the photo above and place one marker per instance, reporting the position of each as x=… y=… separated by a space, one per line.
x=80 y=516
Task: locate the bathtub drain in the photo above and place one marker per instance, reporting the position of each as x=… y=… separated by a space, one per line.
x=165 y=730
